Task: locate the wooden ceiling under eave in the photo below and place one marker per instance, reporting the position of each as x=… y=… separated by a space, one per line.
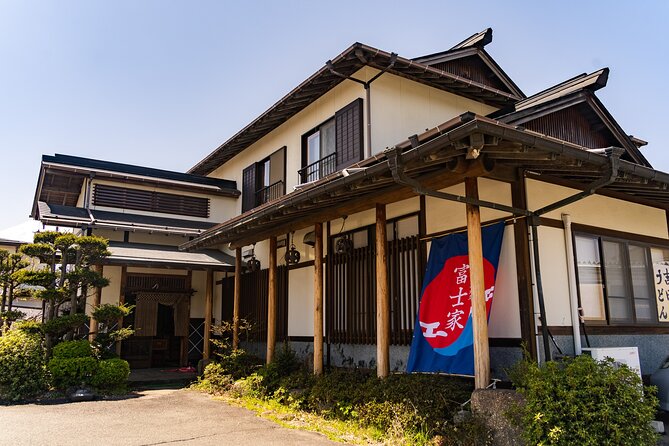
x=62 y=188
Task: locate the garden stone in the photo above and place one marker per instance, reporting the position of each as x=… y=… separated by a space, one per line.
x=494 y=407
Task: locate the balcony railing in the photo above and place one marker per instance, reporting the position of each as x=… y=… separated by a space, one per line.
x=269 y=193
x=321 y=168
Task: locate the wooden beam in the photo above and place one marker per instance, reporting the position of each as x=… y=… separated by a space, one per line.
x=236 y=298
x=271 y=302
x=382 y=296
x=477 y=293
x=97 y=297
x=208 y=313
x=392 y=193
x=318 y=299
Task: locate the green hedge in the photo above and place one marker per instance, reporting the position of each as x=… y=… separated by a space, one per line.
x=73 y=349
x=67 y=372
x=111 y=374
x=22 y=373
x=585 y=402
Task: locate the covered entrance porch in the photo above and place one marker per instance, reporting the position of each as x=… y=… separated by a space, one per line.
x=173 y=295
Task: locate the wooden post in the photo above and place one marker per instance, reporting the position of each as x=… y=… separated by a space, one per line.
x=208 y=311
x=185 y=339
x=477 y=293
x=382 y=296
x=97 y=297
x=236 y=298
x=318 y=299
x=271 y=302
x=121 y=300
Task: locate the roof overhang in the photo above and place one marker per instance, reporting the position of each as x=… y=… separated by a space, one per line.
x=438 y=158
x=77 y=217
x=160 y=256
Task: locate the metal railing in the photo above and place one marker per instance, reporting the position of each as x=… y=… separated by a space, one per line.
x=269 y=193
x=319 y=169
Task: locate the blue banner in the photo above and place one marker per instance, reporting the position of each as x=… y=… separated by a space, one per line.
x=443 y=337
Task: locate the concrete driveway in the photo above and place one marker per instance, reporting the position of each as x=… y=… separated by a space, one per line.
x=156 y=417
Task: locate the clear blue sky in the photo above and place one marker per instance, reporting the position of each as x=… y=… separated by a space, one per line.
x=162 y=83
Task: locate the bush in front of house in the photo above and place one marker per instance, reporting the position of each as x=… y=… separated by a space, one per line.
x=68 y=372
x=73 y=349
x=111 y=375
x=585 y=402
x=412 y=409
x=22 y=372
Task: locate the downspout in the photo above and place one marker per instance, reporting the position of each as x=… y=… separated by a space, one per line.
x=571 y=278
x=534 y=240
x=87 y=198
x=368 y=91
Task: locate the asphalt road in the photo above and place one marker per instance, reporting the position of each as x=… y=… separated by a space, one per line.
x=156 y=417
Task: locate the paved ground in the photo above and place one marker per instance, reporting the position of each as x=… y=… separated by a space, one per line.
x=157 y=417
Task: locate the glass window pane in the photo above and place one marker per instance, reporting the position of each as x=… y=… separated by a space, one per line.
x=640 y=282
x=314 y=148
x=616 y=281
x=327 y=139
x=360 y=239
x=590 y=278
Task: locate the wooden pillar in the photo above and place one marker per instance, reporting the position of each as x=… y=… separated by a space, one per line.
x=208 y=312
x=236 y=298
x=184 y=339
x=97 y=297
x=271 y=301
x=477 y=294
x=318 y=299
x=382 y=296
x=121 y=300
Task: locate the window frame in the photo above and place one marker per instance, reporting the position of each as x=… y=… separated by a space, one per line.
x=625 y=240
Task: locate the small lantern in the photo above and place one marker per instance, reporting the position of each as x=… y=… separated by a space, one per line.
x=253 y=264
x=292 y=256
x=344 y=245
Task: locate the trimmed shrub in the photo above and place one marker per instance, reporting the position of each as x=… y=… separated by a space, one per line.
x=22 y=373
x=73 y=349
x=67 y=372
x=111 y=374
x=61 y=325
x=238 y=364
x=216 y=379
x=585 y=402
x=28 y=327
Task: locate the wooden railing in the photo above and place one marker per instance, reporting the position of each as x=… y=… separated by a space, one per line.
x=319 y=169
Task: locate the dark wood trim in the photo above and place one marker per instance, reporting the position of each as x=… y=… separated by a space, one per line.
x=300 y=265
x=300 y=338
x=523 y=270
x=561 y=330
x=422 y=244
x=603 y=192
x=551 y=223
x=594 y=230
x=506 y=342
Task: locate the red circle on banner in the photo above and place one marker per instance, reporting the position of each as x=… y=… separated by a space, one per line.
x=446 y=304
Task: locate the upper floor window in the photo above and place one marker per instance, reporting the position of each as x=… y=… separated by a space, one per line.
x=333 y=145
x=617 y=280
x=264 y=181
x=152 y=201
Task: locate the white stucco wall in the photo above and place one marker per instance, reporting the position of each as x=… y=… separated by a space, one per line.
x=111 y=293
x=598 y=210
x=301 y=302
x=400 y=108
